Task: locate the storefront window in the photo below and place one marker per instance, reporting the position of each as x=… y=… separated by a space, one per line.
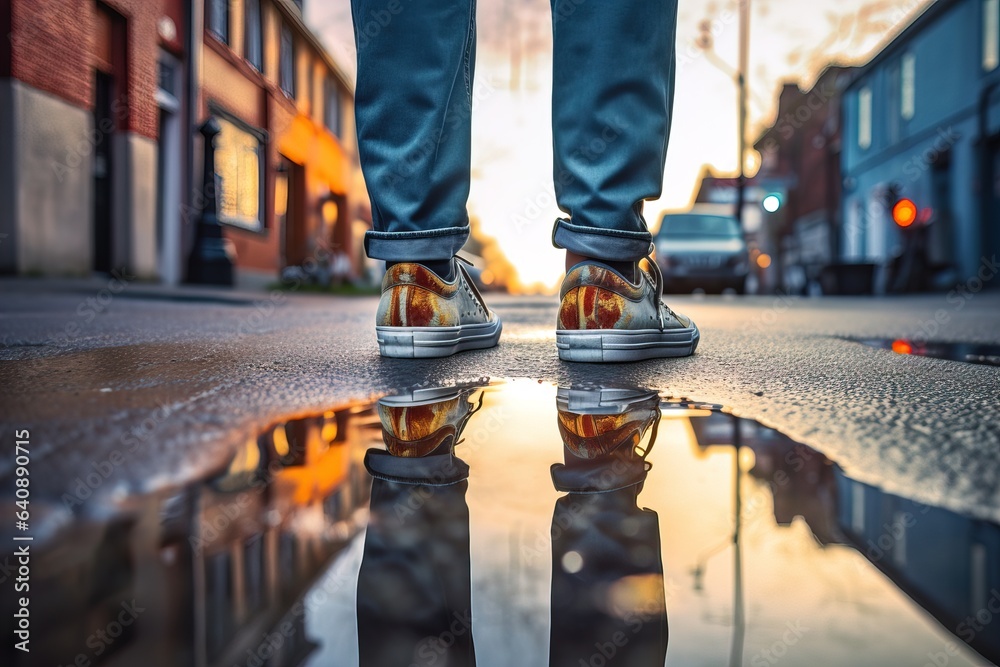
x=238 y=166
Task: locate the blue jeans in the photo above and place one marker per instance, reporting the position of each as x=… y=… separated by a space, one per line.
x=612 y=93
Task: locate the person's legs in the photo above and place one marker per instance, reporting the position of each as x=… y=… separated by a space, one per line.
x=612 y=97
x=413 y=108
x=612 y=93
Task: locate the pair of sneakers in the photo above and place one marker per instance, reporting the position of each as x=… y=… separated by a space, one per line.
x=604 y=316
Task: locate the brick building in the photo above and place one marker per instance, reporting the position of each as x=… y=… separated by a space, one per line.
x=800 y=161
x=99 y=107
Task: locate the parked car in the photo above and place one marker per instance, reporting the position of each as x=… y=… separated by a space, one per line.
x=702 y=250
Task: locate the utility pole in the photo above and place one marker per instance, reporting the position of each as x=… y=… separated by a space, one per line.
x=741 y=80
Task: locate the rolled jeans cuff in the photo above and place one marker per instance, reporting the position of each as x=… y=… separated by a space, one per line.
x=423 y=246
x=612 y=245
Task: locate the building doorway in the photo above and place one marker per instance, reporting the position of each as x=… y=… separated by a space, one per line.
x=292 y=216
x=104 y=86
x=168 y=171
x=991 y=219
x=110 y=108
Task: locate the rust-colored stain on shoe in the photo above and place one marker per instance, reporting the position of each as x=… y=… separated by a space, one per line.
x=569 y=311
x=417 y=275
x=589 y=307
x=593 y=297
x=597 y=276
x=416 y=298
x=594 y=436
x=418 y=430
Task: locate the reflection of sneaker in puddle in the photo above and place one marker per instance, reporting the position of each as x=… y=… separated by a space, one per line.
x=607 y=575
x=420 y=430
x=414 y=584
x=602 y=430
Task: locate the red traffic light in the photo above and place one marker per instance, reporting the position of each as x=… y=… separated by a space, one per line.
x=904 y=212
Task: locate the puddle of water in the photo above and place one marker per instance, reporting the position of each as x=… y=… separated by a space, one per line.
x=988 y=355
x=568 y=526
x=195 y=576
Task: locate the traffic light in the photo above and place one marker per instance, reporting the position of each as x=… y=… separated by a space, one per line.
x=904 y=212
x=771 y=202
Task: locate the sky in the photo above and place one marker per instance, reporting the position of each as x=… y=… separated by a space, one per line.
x=512 y=194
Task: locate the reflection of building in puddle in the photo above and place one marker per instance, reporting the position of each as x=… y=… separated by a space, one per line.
x=972 y=353
x=946 y=562
x=212 y=574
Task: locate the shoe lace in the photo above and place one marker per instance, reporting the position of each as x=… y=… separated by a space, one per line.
x=465 y=420
x=658 y=286
x=470 y=284
x=643 y=452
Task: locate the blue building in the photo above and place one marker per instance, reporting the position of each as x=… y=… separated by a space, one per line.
x=922 y=121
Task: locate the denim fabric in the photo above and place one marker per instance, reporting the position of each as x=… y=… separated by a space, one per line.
x=612 y=95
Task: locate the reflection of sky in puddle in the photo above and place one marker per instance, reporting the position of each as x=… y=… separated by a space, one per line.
x=828 y=568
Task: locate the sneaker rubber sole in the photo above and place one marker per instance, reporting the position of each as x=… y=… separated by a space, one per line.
x=603 y=400
x=622 y=345
x=433 y=342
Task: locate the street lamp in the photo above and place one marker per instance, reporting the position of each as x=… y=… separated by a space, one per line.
x=210 y=261
x=742 y=82
x=705 y=42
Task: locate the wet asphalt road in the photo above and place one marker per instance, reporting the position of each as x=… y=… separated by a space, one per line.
x=158 y=387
